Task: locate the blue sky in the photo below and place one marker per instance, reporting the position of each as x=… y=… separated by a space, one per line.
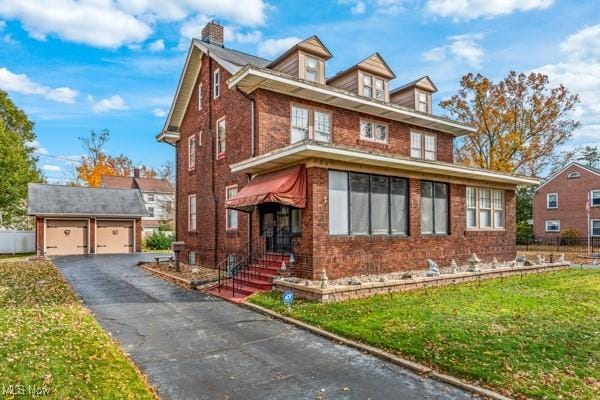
x=74 y=66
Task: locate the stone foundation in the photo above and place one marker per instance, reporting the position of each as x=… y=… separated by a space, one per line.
x=348 y=292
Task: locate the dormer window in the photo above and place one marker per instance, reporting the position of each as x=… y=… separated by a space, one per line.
x=423 y=101
x=367 y=86
x=311 y=72
x=373 y=87
x=379 y=89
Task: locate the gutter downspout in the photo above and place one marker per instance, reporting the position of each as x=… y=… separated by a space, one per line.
x=214 y=158
x=252 y=154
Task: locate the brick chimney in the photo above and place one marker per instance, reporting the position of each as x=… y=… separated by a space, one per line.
x=213 y=33
x=136 y=172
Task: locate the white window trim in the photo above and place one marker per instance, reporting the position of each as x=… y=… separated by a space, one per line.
x=361 y=86
x=192 y=228
x=227 y=227
x=199 y=97
x=548 y=201
x=552 y=220
x=492 y=209
x=317 y=70
x=422 y=145
x=191 y=152
x=592 y=227
x=373 y=123
x=427 y=100
x=216 y=83
x=592 y=197
x=574 y=175
x=311 y=121
x=221 y=154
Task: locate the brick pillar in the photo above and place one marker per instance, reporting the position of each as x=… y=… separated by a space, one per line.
x=138 y=236
x=92 y=244
x=39 y=236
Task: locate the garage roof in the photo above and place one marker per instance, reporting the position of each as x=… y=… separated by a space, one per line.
x=61 y=200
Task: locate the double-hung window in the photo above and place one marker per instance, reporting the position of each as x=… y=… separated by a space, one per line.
x=150 y=197
x=595 y=227
x=552 y=200
x=221 y=136
x=231 y=217
x=423 y=100
x=595 y=198
x=379 y=89
x=367 y=85
x=192 y=152
x=310 y=123
x=373 y=130
x=192 y=213
x=216 y=83
x=553 y=226
x=311 y=71
x=434 y=208
x=363 y=204
x=423 y=145
x=485 y=208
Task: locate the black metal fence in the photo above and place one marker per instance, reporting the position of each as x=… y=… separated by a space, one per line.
x=562 y=244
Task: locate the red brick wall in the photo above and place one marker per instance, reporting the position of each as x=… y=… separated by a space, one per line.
x=273 y=122
x=210 y=199
x=92 y=234
x=39 y=236
x=572 y=195
x=138 y=235
x=352 y=255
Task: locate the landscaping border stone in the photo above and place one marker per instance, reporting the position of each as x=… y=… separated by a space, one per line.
x=385 y=355
x=188 y=283
x=367 y=289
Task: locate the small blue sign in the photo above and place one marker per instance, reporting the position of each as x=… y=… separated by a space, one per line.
x=288 y=297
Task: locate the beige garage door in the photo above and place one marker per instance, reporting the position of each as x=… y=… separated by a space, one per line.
x=65 y=237
x=114 y=237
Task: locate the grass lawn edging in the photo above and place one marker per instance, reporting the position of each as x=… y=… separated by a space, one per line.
x=385 y=355
x=367 y=289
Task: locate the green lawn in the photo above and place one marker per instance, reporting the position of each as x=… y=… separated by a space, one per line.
x=49 y=340
x=537 y=336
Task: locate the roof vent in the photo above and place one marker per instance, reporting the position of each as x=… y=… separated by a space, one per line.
x=213 y=33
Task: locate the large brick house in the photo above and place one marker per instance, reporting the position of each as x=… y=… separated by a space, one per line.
x=559 y=203
x=343 y=172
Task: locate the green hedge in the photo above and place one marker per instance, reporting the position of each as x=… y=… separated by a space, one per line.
x=159 y=241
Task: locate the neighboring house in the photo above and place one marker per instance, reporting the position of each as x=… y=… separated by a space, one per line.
x=83 y=220
x=158 y=193
x=343 y=172
x=560 y=202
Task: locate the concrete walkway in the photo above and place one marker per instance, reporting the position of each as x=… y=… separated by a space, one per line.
x=194 y=346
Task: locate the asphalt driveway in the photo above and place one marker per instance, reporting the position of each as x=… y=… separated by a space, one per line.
x=194 y=346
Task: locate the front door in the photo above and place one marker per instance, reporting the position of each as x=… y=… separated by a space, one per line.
x=279 y=224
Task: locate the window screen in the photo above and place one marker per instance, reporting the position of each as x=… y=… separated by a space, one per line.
x=338 y=203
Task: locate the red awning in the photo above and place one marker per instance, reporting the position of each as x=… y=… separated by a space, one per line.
x=287 y=186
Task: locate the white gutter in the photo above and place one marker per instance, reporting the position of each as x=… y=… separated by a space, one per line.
x=261 y=73
x=317 y=151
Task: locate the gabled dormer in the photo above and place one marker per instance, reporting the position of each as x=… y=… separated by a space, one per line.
x=369 y=78
x=305 y=60
x=416 y=94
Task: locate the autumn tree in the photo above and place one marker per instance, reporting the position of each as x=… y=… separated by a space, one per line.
x=96 y=162
x=17 y=163
x=520 y=121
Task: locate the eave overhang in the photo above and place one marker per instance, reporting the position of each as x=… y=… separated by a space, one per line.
x=250 y=78
x=167 y=137
x=314 y=150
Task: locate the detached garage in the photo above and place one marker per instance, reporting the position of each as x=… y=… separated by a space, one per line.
x=80 y=220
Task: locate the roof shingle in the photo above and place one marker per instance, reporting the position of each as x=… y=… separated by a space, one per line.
x=46 y=199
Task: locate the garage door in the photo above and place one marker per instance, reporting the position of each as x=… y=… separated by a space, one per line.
x=114 y=237
x=65 y=237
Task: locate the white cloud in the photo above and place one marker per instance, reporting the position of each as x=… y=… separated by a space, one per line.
x=114 y=23
x=389 y=7
x=20 y=83
x=51 y=168
x=159 y=112
x=471 y=9
x=96 y=22
x=8 y=39
x=115 y=102
x=156 y=46
x=580 y=73
x=36 y=147
x=2 y=25
x=193 y=26
x=462 y=48
x=386 y=7
x=233 y=34
x=584 y=44
x=271 y=48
